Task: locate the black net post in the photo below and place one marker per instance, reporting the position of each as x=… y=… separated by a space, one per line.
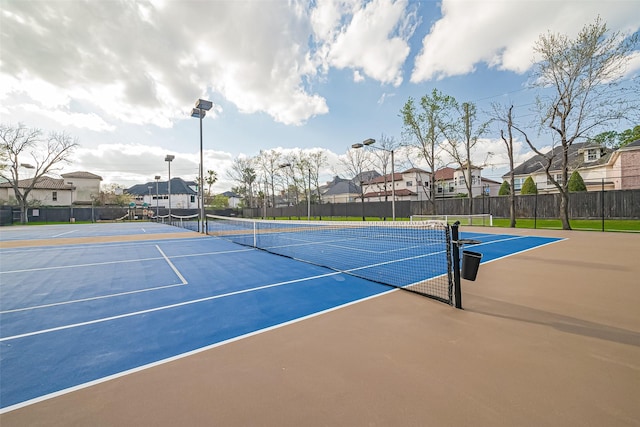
x=457 y=291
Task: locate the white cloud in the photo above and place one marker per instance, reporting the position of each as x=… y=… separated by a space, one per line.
x=374 y=39
x=145 y=62
x=502 y=33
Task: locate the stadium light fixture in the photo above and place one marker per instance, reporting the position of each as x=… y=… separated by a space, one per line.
x=157 y=178
x=367 y=143
x=202 y=106
x=169 y=158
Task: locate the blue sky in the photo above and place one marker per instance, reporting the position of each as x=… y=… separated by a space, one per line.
x=122 y=76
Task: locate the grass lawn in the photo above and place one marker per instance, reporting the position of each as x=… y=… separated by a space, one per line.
x=576 y=224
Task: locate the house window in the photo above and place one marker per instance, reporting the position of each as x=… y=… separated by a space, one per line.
x=409 y=183
x=592 y=155
x=54 y=196
x=193 y=198
x=558 y=179
x=517 y=183
x=439 y=188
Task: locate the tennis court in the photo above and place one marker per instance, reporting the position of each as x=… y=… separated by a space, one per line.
x=81 y=317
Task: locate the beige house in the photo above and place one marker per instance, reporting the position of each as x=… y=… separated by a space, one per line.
x=86 y=186
x=74 y=188
x=413 y=184
x=599 y=167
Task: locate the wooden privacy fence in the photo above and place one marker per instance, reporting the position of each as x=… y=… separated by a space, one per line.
x=616 y=204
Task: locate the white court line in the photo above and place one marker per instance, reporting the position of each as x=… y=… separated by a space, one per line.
x=62 y=234
x=92 y=298
x=58 y=267
x=183 y=282
x=181 y=355
x=95 y=245
x=121 y=261
x=173 y=267
x=165 y=307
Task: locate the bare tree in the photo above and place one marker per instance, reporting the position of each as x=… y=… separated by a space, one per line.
x=243 y=172
x=579 y=79
x=354 y=164
x=462 y=135
x=423 y=130
x=302 y=175
x=23 y=147
x=382 y=154
x=505 y=117
x=317 y=160
x=268 y=163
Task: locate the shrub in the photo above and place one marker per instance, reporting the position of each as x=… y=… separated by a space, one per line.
x=576 y=183
x=505 y=189
x=529 y=187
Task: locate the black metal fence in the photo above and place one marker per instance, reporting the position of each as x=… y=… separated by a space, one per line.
x=617 y=204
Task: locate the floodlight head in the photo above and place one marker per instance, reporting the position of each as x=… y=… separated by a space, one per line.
x=285 y=165
x=157 y=177
x=196 y=113
x=358 y=145
x=203 y=104
x=169 y=158
x=369 y=141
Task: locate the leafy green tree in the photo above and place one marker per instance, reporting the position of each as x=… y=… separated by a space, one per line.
x=577 y=101
x=628 y=136
x=220 y=202
x=529 y=187
x=422 y=128
x=576 y=183
x=615 y=140
x=505 y=189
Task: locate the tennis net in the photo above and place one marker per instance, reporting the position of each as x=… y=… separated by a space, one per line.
x=412 y=256
x=476 y=219
x=190 y=222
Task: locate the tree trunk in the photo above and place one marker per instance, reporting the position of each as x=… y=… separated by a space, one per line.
x=24 y=209
x=564 y=210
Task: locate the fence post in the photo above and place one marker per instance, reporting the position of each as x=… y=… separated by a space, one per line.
x=457 y=290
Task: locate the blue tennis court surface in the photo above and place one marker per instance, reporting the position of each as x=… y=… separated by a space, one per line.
x=75 y=314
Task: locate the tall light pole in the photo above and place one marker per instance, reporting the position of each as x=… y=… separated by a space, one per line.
x=368 y=143
x=157 y=178
x=169 y=158
x=202 y=106
x=282 y=166
x=309 y=198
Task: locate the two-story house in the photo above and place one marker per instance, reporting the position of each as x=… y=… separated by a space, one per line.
x=184 y=194
x=414 y=184
x=600 y=167
x=75 y=188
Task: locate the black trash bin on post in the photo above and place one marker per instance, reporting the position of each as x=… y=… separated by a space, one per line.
x=470 y=264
